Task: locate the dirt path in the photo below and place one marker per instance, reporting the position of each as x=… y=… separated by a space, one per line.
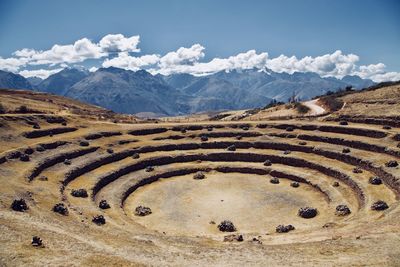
x=314 y=107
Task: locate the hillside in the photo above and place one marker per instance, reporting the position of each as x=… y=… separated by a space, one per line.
x=181 y=94
x=83 y=190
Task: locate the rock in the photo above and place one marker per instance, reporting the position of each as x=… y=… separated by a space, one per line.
x=294 y=184
x=103 y=204
x=231 y=148
x=274 y=180
x=335 y=184
x=307 y=212
x=302 y=143
x=60 y=208
x=343 y=123
x=346 y=150
x=64 y=123
x=136 y=156
x=226 y=226
x=40 y=148
x=142 y=211
x=245 y=128
x=203 y=138
x=375 y=180
x=233 y=237
x=342 y=210
x=36 y=241
x=29 y=151
x=212 y=222
x=24 y=157
x=79 y=193
x=290 y=129
x=379 y=205
x=149 y=169
x=357 y=170
x=99 y=220
x=267 y=163
x=286 y=152
x=284 y=228
x=238 y=137
x=386 y=127
x=84 y=143
x=36 y=126
x=67 y=162
x=110 y=151
x=199 y=176
x=19 y=205
x=210 y=129
x=392 y=164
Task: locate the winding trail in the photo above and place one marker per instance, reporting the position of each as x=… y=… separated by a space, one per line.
x=315 y=109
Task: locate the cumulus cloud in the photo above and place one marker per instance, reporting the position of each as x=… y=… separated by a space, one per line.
x=116 y=50
x=11 y=64
x=118 y=42
x=79 y=51
x=41 y=73
x=125 y=61
x=175 y=64
x=336 y=64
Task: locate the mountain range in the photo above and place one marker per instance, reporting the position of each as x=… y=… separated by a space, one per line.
x=158 y=95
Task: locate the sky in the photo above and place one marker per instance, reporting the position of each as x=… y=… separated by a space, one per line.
x=331 y=38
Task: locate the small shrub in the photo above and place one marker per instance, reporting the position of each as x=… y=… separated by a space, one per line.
x=226 y=226
x=79 y=193
x=142 y=211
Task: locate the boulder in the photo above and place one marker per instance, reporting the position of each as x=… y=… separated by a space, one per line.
x=61 y=209
x=342 y=210
x=19 y=205
x=335 y=184
x=24 y=157
x=284 y=228
x=36 y=241
x=267 y=163
x=103 y=204
x=199 y=176
x=99 y=220
x=136 y=156
x=379 y=205
x=346 y=150
x=142 y=211
x=84 y=143
x=343 y=123
x=375 y=180
x=149 y=169
x=294 y=184
x=79 y=193
x=357 y=170
x=231 y=148
x=226 y=226
x=307 y=212
x=274 y=180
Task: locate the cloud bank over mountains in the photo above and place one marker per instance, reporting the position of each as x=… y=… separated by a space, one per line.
x=116 y=50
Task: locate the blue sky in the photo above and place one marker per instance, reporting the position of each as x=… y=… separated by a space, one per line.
x=368 y=29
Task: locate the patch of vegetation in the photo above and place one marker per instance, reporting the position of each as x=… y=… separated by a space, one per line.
x=332 y=102
x=302 y=109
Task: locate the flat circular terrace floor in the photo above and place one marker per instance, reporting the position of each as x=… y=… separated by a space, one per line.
x=184 y=206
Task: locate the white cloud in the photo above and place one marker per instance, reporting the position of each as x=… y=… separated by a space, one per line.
x=79 y=51
x=119 y=43
x=41 y=73
x=186 y=61
x=182 y=56
x=11 y=64
x=116 y=50
x=336 y=64
x=125 y=61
